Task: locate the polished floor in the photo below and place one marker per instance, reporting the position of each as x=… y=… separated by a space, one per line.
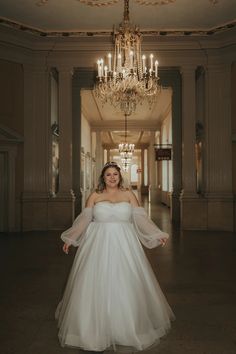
x=196 y=270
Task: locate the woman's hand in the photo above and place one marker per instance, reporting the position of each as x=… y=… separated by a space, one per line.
x=163 y=241
x=66 y=248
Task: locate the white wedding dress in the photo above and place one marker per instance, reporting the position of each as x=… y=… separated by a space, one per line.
x=112 y=299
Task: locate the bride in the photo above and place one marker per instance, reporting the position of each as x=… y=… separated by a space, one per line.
x=112 y=300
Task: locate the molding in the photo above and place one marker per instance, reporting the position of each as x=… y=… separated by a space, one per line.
x=151 y=32
x=10 y=135
x=219 y=196
x=103 y=43
x=110 y=125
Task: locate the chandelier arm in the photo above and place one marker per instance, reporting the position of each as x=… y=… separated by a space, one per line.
x=126 y=11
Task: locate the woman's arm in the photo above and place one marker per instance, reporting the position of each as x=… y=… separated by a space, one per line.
x=132 y=199
x=148 y=232
x=91 y=200
x=73 y=235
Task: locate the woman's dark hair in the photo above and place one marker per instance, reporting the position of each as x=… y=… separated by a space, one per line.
x=101 y=183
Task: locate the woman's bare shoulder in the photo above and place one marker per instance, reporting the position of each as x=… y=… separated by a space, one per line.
x=92 y=199
x=132 y=197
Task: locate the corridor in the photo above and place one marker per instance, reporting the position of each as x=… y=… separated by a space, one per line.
x=196 y=270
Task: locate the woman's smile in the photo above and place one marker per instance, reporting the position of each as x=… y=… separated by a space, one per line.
x=111 y=177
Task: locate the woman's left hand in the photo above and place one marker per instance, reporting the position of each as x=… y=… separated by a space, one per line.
x=163 y=241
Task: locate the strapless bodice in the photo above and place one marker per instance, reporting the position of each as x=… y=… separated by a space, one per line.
x=106 y=211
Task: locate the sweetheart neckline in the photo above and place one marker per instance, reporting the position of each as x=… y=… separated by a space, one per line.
x=112 y=203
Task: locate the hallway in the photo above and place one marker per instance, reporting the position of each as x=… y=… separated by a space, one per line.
x=196 y=271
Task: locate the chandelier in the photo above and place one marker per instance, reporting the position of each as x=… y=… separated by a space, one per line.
x=127 y=78
x=126 y=150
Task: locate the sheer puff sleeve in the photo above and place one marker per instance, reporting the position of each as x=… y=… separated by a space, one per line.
x=148 y=233
x=74 y=235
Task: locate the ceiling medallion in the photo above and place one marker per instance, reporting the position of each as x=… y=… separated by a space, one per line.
x=125 y=80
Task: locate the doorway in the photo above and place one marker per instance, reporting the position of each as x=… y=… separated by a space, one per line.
x=107 y=130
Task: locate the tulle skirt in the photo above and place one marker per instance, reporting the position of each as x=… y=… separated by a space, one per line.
x=112 y=298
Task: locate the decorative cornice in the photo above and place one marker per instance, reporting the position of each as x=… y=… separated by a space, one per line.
x=9 y=135
x=159 y=33
x=102 y=3
x=110 y=125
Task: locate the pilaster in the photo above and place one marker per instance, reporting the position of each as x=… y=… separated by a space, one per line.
x=99 y=154
x=152 y=169
x=218 y=147
x=61 y=208
x=36 y=147
x=192 y=206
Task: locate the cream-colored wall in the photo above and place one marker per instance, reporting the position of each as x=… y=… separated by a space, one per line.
x=12 y=116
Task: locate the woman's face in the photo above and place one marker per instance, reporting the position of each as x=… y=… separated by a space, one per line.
x=111 y=177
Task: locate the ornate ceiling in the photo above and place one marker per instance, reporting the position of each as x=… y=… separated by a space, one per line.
x=52 y=17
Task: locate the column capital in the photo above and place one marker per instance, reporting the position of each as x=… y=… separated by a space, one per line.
x=188 y=68
x=61 y=68
x=36 y=68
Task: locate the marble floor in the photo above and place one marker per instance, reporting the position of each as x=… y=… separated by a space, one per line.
x=196 y=270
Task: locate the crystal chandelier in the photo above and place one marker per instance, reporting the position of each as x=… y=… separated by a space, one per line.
x=126 y=150
x=124 y=80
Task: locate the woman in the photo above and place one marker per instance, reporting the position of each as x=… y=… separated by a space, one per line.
x=112 y=299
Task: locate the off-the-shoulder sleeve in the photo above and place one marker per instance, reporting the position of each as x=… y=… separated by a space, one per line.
x=74 y=235
x=148 y=233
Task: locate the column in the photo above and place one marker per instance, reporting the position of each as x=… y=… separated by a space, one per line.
x=99 y=154
x=188 y=131
x=65 y=131
x=152 y=169
x=108 y=154
x=76 y=143
x=142 y=168
x=61 y=211
x=36 y=147
x=218 y=147
x=193 y=208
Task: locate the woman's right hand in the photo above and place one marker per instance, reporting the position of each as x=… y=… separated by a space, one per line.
x=66 y=248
